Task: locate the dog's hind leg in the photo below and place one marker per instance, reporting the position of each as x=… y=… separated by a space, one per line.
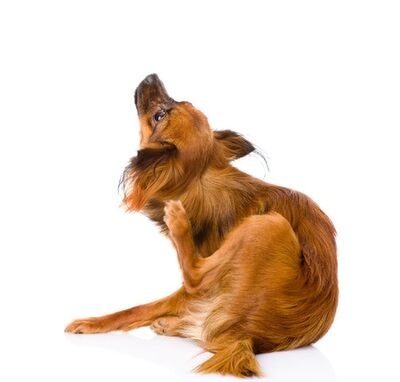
x=198 y=273
x=141 y=315
x=242 y=290
x=180 y=232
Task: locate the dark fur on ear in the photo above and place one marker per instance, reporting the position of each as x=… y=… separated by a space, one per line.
x=151 y=157
x=235 y=146
x=147 y=171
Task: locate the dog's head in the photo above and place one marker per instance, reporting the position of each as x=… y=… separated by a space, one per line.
x=176 y=145
x=166 y=123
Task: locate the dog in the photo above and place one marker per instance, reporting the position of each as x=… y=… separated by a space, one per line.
x=258 y=261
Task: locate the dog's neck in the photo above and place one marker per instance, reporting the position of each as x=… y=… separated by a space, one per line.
x=215 y=203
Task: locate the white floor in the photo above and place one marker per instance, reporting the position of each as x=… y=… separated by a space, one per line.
x=160 y=358
x=141 y=356
x=34 y=347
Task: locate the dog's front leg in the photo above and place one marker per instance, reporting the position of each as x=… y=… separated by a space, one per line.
x=141 y=315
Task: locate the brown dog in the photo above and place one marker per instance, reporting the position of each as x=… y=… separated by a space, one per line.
x=258 y=260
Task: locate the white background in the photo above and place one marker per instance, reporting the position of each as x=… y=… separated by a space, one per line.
x=315 y=84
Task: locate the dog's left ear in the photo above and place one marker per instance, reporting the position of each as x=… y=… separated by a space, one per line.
x=234 y=145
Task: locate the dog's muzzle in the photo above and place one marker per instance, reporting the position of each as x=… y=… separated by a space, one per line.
x=151 y=93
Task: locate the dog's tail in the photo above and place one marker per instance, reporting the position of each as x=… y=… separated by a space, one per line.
x=236 y=359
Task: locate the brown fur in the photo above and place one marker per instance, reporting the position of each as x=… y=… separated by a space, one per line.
x=258 y=260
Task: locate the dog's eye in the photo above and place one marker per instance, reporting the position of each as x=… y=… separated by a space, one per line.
x=159 y=115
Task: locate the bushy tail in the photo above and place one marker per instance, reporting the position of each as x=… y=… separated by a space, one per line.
x=236 y=359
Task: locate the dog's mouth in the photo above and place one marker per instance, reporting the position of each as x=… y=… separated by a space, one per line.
x=150 y=94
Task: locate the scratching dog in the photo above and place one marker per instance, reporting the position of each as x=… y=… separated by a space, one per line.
x=258 y=260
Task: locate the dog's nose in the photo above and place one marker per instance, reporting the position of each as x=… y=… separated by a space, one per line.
x=151 y=91
x=151 y=79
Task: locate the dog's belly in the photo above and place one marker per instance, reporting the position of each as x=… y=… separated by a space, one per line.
x=202 y=317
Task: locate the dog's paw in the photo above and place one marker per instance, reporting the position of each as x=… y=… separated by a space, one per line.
x=86 y=326
x=166 y=326
x=176 y=219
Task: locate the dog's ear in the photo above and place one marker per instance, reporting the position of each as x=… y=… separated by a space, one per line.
x=234 y=145
x=146 y=173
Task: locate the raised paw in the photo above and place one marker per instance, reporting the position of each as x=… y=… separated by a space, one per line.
x=166 y=326
x=87 y=325
x=176 y=219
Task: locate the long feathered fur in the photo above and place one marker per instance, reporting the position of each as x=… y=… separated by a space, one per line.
x=314 y=291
